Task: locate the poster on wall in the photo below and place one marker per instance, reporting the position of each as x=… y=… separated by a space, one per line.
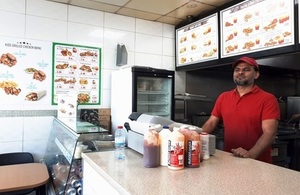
x=76 y=70
x=197 y=42
x=67 y=106
x=256 y=25
x=25 y=68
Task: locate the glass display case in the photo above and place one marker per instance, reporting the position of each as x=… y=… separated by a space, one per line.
x=68 y=138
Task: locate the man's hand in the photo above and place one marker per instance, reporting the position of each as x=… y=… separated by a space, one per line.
x=241 y=152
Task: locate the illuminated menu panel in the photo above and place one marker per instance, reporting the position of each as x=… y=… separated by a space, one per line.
x=298 y=23
x=197 y=42
x=256 y=25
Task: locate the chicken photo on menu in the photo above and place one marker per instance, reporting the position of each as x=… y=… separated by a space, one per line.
x=25 y=67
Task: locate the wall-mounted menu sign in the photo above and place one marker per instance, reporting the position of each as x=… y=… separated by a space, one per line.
x=298 y=23
x=76 y=70
x=256 y=25
x=197 y=42
x=25 y=68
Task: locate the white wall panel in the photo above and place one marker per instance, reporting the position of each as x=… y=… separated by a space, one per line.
x=148 y=27
x=168 y=47
x=17 y=6
x=6 y=147
x=169 y=31
x=46 y=29
x=37 y=127
x=47 y=9
x=148 y=44
x=12 y=24
x=142 y=59
x=85 y=16
x=84 y=34
x=36 y=147
x=119 y=22
x=168 y=62
x=11 y=129
x=113 y=37
x=109 y=58
x=106 y=98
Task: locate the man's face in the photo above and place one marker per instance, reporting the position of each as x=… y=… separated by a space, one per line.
x=244 y=74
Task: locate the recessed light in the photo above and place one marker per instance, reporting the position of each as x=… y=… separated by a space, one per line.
x=191 y=6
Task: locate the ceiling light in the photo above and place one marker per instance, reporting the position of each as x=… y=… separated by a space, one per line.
x=191 y=6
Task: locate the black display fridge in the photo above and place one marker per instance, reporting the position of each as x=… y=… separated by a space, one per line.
x=141 y=89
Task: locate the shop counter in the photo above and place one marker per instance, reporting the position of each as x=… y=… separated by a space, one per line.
x=223 y=173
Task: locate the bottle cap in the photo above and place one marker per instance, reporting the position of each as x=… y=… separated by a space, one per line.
x=120 y=127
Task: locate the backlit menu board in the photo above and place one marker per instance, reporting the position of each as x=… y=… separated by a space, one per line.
x=298 y=23
x=197 y=42
x=256 y=25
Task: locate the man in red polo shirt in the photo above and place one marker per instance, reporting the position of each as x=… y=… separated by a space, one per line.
x=249 y=114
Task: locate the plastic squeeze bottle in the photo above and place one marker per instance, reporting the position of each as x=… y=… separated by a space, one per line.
x=151 y=149
x=163 y=141
x=194 y=149
x=176 y=150
x=186 y=132
x=205 y=145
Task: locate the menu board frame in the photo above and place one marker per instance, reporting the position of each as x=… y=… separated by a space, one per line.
x=76 y=69
x=257 y=33
x=197 y=42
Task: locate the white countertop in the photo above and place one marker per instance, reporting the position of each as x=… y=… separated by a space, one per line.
x=221 y=174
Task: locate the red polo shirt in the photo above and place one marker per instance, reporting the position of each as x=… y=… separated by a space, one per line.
x=242 y=118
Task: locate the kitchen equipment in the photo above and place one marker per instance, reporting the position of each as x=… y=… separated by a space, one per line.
x=141 y=89
x=139 y=123
x=187 y=97
x=293 y=106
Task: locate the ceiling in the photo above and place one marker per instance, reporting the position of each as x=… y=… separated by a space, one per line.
x=165 y=11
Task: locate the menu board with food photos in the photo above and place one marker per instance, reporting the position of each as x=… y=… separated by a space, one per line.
x=256 y=25
x=298 y=23
x=25 y=68
x=197 y=42
x=67 y=106
x=76 y=70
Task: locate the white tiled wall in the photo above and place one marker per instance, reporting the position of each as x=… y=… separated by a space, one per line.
x=25 y=134
x=148 y=44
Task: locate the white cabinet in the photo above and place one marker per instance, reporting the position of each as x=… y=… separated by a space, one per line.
x=94 y=183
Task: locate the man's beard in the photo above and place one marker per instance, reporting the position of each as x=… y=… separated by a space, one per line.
x=242 y=83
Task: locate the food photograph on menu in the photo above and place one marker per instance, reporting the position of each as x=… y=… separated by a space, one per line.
x=256 y=25
x=25 y=66
x=76 y=69
x=197 y=42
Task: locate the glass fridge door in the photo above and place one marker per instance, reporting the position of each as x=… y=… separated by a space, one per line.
x=154 y=96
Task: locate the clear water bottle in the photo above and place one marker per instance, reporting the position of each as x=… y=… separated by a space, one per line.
x=120 y=142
